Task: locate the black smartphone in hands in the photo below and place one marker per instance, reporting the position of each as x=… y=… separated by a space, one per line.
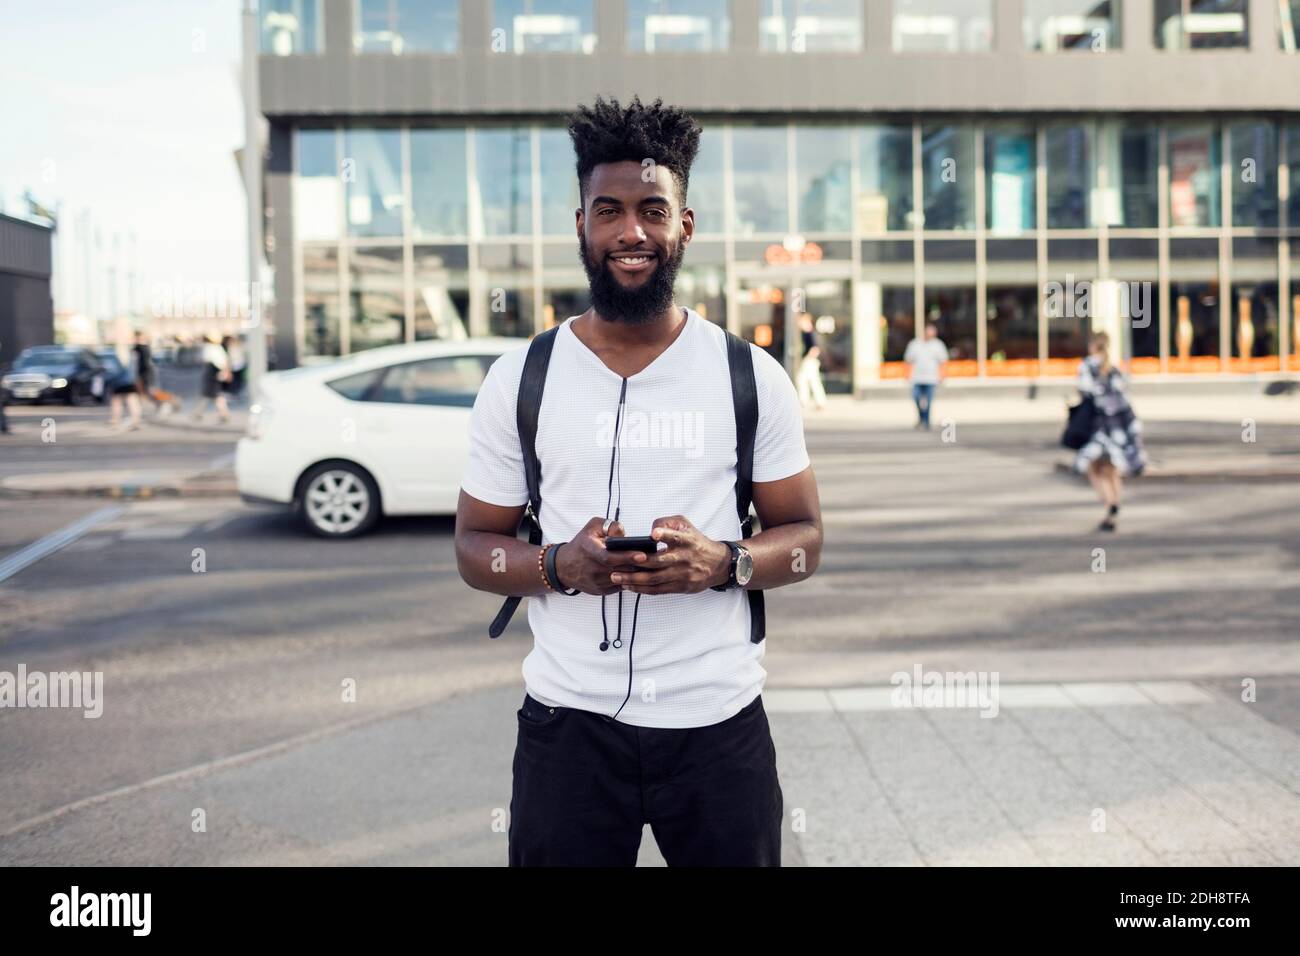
x=643 y=543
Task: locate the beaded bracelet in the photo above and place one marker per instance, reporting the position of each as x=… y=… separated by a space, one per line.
x=541 y=566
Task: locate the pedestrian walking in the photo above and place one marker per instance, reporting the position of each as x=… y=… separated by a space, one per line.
x=234 y=386
x=1114 y=448
x=670 y=731
x=146 y=379
x=808 y=379
x=928 y=358
x=216 y=371
x=122 y=390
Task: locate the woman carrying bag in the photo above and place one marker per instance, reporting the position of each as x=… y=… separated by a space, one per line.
x=1104 y=429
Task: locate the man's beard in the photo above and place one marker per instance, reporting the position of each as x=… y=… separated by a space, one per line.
x=635 y=306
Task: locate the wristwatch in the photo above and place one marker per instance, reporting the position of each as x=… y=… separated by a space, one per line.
x=741 y=569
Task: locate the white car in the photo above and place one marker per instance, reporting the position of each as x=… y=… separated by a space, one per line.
x=381 y=432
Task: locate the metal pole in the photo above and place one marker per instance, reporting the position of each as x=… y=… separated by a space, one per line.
x=256 y=351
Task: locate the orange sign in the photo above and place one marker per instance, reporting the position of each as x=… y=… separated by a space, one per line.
x=778 y=255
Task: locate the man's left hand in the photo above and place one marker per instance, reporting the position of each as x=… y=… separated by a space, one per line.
x=692 y=563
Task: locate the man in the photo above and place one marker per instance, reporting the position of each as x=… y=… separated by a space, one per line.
x=929 y=361
x=666 y=727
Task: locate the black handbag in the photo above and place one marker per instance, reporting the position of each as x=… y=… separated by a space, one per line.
x=1080 y=424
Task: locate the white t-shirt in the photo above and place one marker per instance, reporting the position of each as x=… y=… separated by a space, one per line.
x=692 y=660
x=926 y=357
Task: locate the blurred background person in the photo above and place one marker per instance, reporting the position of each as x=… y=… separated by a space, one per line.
x=122 y=390
x=146 y=378
x=929 y=361
x=1115 y=448
x=216 y=372
x=234 y=386
x=808 y=380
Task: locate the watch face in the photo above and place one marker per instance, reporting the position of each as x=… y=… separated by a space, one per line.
x=744 y=567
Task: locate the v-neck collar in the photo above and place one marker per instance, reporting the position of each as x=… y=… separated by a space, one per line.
x=686 y=328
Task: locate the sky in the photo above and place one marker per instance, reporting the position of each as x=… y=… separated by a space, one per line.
x=132 y=109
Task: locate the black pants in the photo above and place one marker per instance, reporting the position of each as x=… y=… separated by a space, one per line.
x=585 y=785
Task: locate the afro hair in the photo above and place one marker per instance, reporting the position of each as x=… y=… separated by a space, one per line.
x=606 y=132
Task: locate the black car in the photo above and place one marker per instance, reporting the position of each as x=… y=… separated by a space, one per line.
x=56 y=373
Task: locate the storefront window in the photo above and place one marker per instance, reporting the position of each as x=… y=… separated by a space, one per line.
x=372 y=172
x=439 y=192
x=503 y=163
x=1194 y=294
x=948 y=177
x=759 y=177
x=1253 y=166
x=884 y=200
x=1012 y=330
x=823 y=160
x=1194 y=175
x=1009 y=178
x=378 y=298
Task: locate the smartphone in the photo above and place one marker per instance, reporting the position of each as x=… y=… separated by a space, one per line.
x=643 y=543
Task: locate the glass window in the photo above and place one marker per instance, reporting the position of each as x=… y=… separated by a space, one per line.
x=948 y=177
x=407 y=26
x=706 y=191
x=372 y=172
x=507 y=271
x=1253 y=166
x=321 y=300
x=1069 y=177
x=759 y=179
x=559 y=172
x=1073 y=296
x=811 y=26
x=952 y=309
x=1202 y=24
x=884 y=200
x=503 y=160
x=543 y=26
x=942 y=25
x=1292 y=132
x=1134 y=265
x=291 y=26
x=356 y=387
x=1131 y=152
x=1194 y=293
x=441 y=292
x=439 y=190
x=822 y=162
x=702 y=288
x=378 y=297
x=1054 y=25
x=316 y=188
x=1194 y=175
x=1012 y=330
x=453 y=380
x=1255 y=321
x=1009 y=172
x=897 y=321
x=677 y=26
x=1289 y=24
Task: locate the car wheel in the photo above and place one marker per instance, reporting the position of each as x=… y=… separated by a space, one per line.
x=339 y=501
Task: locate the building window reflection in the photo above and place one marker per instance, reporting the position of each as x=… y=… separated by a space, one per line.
x=1131 y=152
x=1070 y=176
x=377 y=296
x=558 y=167
x=406 y=26
x=1289 y=24
x=372 y=172
x=884 y=200
x=947 y=26
x=1202 y=24
x=503 y=166
x=948 y=177
x=1194 y=196
x=291 y=27
x=439 y=191
x=1054 y=25
x=321 y=300
x=759 y=180
x=823 y=157
x=1253 y=161
x=1009 y=167
x=441 y=292
x=543 y=26
x=811 y=26
x=318 y=186
x=678 y=26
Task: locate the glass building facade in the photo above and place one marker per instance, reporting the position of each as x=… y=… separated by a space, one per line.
x=1010 y=235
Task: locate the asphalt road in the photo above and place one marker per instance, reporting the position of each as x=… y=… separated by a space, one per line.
x=970 y=550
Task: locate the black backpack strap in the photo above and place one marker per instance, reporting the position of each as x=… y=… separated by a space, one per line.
x=744 y=398
x=528 y=407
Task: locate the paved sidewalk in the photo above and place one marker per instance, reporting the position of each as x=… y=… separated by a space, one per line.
x=1121 y=773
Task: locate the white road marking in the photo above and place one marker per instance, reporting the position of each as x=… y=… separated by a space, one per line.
x=156 y=533
x=53 y=542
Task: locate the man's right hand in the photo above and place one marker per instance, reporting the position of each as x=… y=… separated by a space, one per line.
x=586 y=564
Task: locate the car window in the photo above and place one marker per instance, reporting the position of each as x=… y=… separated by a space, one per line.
x=356 y=387
x=453 y=380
